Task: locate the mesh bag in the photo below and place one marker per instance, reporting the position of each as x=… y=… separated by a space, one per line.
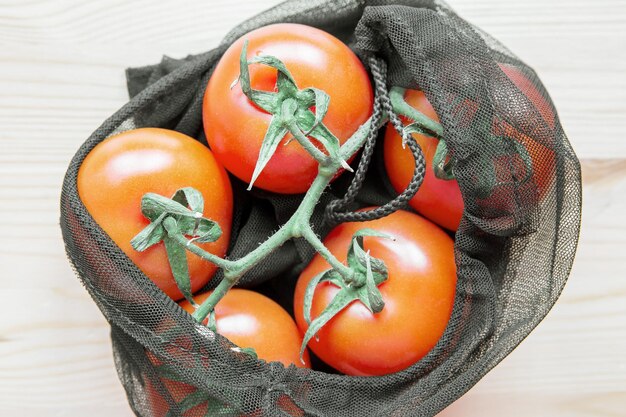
x=513 y=250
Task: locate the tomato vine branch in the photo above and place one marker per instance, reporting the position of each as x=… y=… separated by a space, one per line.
x=175 y=220
x=298 y=226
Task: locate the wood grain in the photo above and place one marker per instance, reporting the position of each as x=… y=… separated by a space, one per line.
x=61 y=75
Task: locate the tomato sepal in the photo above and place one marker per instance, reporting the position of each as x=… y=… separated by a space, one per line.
x=275 y=133
x=343 y=298
x=290 y=110
x=503 y=147
x=443 y=165
x=178 y=263
x=369 y=273
x=416 y=127
x=189 y=221
x=189 y=196
x=171 y=219
x=197 y=398
x=150 y=235
x=212 y=321
x=358 y=258
x=166 y=371
x=328 y=275
x=285 y=80
x=264 y=99
x=522 y=152
x=246 y=350
x=321 y=101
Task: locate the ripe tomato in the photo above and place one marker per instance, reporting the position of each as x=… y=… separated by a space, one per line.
x=529 y=90
x=121 y=169
x=235 y=127
x=178 y=390
x=251 y=320
x=543 y=158
x=438 y=200
x=248 y=319
x=418 y=295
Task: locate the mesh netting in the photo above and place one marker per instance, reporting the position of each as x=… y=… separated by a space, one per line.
x=514 y=247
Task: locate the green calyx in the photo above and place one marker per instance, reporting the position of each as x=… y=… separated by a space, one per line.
x=185 y=209
x=502 y=146
x=171 y=219
x=369 y=273
x=291 y=112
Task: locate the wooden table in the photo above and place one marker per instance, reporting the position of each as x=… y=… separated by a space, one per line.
x=61 y=74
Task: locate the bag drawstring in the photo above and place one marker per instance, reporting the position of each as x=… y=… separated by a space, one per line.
x=334 y=212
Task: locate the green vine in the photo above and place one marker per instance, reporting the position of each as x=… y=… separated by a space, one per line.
x=179 y=223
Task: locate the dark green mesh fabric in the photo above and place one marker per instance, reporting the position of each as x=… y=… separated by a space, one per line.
x=513 y=250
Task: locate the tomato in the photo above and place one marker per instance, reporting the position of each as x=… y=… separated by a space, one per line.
x=178 y=391
x=419 y=296
x=159 y=406
x=121 y=169
x=248 y=319
x=252 y=320
x=542 y=157
x=529 y=90
x=440 y=200
x=437 y=199
x=235 y=127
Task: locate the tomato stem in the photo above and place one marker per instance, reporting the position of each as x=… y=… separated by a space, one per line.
x=174 y=233
x=290 y=110
x=290 y=122
x=310 y=236
x=297 y=226
x=356 y=141
x=400 y=106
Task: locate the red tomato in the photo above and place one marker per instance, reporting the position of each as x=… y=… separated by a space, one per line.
x=249 y=319
x=529 y=90
x=178 y=391
x=235 y=127
x=438 y=200
x=543 y=158
x=121 y=169
x=418 y=295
